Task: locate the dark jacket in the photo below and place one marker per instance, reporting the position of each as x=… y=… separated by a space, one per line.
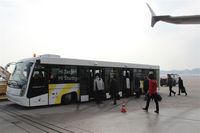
x=180 y=83
x=146 y=85
x=114 y=86
x=170 y=82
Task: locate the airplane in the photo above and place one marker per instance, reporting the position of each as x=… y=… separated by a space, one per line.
x=190 y=19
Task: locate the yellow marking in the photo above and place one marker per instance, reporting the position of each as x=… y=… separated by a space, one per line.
x=51 y=88
x=78 y=92
x=64 y=90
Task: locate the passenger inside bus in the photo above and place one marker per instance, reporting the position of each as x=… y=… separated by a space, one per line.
x=38 y=77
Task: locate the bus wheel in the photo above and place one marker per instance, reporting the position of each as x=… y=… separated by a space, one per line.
x=66 y=99
x=74 y=98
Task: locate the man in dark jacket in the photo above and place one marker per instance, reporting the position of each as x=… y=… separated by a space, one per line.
x=137 y=87
x=114 y=89
x=170 y=84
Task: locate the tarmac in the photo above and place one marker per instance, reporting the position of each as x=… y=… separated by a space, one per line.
x=177 y=114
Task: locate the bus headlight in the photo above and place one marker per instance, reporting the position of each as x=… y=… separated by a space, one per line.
x=23 y=90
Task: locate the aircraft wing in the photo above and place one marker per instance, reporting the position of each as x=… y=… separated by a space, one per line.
x=192 y=19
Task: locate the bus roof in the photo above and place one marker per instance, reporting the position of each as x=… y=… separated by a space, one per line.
x=80 y=62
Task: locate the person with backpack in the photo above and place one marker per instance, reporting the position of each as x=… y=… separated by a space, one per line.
x=152 y=93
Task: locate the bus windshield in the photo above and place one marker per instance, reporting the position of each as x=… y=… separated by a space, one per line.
x=20 y=74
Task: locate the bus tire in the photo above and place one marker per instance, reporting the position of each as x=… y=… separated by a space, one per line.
x=74 y=97
x=66 y=99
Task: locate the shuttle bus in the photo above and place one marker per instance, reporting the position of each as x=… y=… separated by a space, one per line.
x=50 y=79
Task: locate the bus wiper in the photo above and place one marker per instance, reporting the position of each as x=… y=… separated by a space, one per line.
x=14 y=83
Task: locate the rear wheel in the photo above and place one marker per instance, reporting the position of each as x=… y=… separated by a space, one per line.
x=66 y=99
x=69 y=98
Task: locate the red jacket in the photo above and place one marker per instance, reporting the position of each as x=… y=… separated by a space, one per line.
x=152 y=87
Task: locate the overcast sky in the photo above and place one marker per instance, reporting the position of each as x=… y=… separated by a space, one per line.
x=108 y=30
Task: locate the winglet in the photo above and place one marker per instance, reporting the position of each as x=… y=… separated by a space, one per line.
x=153 y=16
x=152 y=12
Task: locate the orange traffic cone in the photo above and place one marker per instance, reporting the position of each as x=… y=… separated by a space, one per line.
x=123 y=109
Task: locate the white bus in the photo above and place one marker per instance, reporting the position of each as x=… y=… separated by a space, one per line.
x=49 y=79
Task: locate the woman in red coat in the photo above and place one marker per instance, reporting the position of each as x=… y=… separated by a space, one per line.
x=152 y=93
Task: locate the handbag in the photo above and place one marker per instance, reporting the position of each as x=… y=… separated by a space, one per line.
x=158 y=97
x=183 y=90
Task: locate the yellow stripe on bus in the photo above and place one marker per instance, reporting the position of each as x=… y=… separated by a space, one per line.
x=66 y=89
x=51 y=88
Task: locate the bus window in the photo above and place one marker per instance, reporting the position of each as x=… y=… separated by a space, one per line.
x=54 y=75
x=70 y=74
x=38 y=76
x=63 y=74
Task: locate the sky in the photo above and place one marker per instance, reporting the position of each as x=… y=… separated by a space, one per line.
x=105 y=30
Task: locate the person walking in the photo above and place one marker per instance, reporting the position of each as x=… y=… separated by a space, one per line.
x=98 y=88
x=152 y=93
x=170 y=84
x=137 y=87
x=114 y=89
x=181 y=87
x=146 y=87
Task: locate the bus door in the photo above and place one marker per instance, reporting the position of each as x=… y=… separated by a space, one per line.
x=108 y=76
x=38 y=89
x=139 y=75
x=126 y=82
x=86 y=76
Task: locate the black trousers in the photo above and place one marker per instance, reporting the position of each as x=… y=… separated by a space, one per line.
x=115 y=98
x=155 y=100
x=171 y=91
x=99 y=96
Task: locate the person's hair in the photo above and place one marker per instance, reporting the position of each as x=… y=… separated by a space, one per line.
x=127 y=74
x=97 y=74
x=151 y=76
